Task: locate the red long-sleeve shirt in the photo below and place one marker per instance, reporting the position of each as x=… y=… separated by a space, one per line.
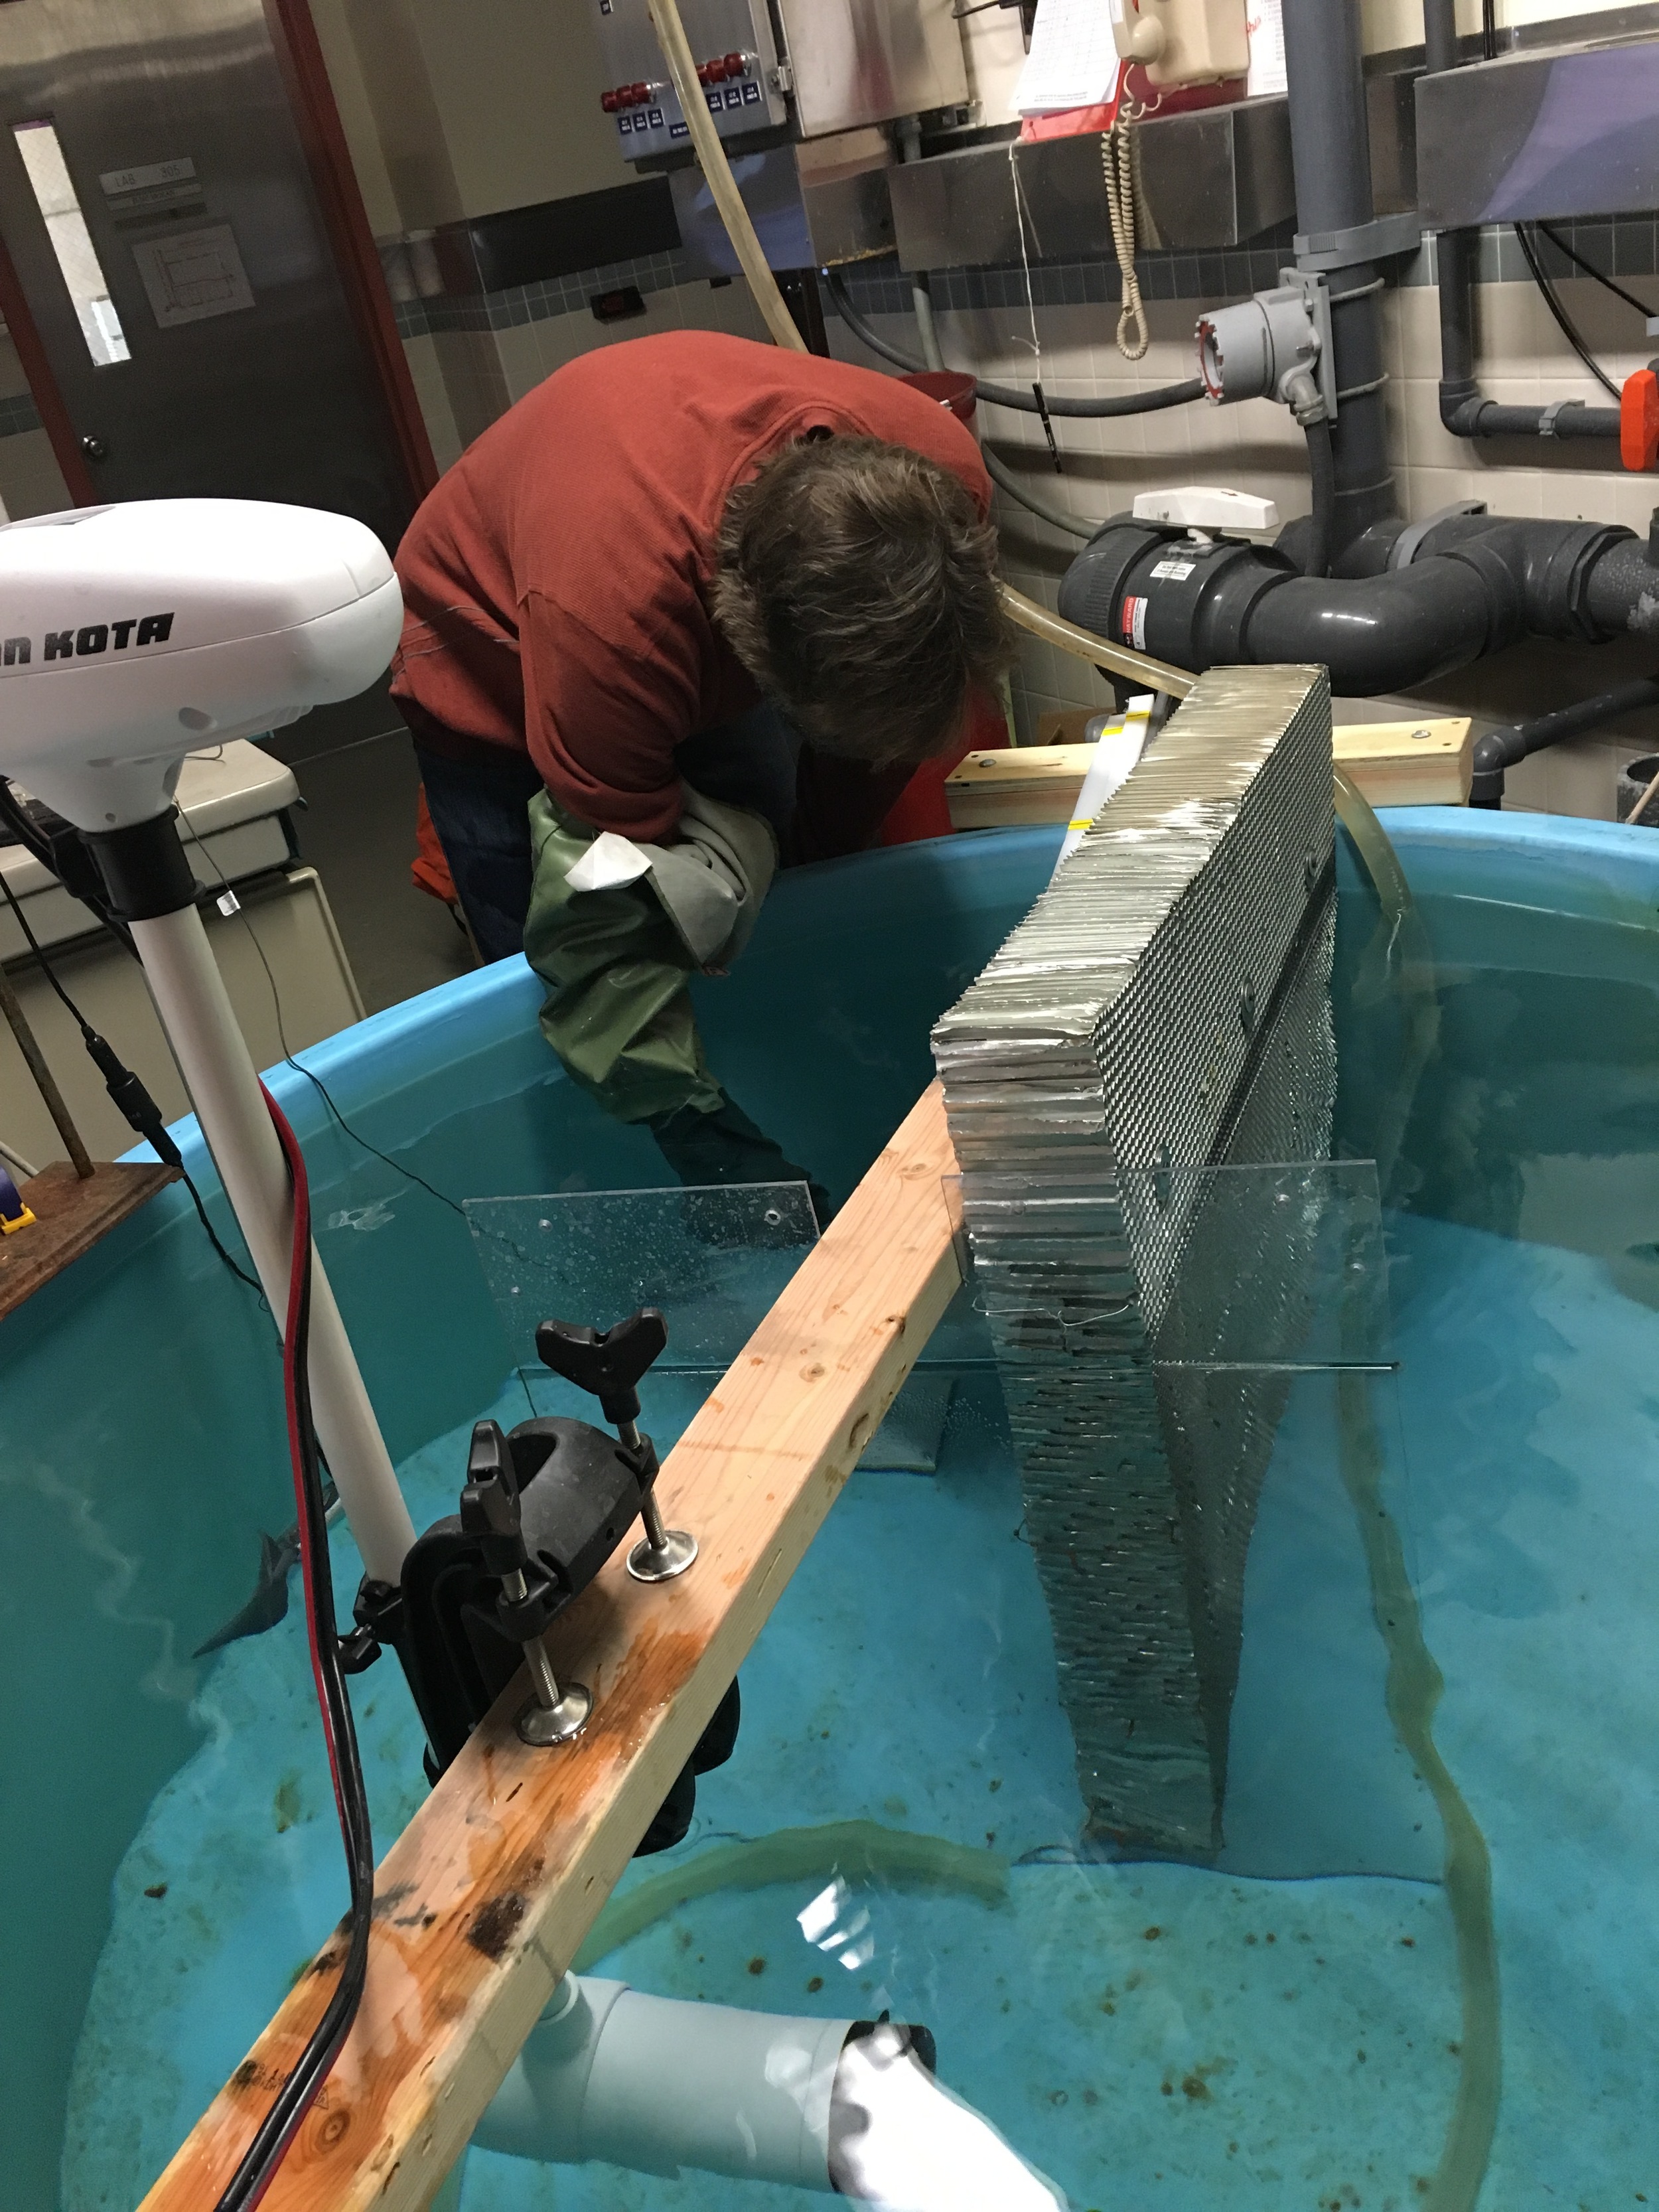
x=556 y=580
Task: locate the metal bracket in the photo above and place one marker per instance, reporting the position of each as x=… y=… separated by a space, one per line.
x=1316 y=301
x=1367 y=241
x=1404 y=550
x=1547 y=420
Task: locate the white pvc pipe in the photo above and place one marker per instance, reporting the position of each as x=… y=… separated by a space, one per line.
x=654 y=2084
x=219 y=1074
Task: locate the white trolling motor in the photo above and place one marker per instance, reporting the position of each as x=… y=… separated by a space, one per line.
x=131 y=636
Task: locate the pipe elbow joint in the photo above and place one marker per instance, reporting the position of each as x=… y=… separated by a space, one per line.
x=1495 y=753
x=1461 y=407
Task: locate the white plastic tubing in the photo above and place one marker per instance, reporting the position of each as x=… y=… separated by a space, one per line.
x=655 y=2084
x=219 y=1074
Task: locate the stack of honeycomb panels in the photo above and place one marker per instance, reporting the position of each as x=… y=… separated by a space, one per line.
x=1164 y=1013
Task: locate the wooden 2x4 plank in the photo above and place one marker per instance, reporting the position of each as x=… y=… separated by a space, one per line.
x=482 y=1901
x=1418 y=763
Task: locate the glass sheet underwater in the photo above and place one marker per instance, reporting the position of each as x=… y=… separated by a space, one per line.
x=1457 y=1531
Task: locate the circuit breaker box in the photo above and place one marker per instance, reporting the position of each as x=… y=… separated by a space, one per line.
x=776 y=68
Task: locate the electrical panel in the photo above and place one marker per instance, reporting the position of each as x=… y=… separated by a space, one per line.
x=737 y=58
x=813 y=66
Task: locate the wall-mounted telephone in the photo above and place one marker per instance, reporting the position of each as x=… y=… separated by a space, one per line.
x=1181 y=42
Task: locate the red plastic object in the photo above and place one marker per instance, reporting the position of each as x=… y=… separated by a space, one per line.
x=703 y=69
x=430 y=870
x=609 y=102
x=920 y=809
x=1639 y=421
x=735 y=65
x=951 y=389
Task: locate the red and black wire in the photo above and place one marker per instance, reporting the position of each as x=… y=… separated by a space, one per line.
x=298 y=2094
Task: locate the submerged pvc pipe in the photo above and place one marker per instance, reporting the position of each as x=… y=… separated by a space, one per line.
x=219 y=1074
x=654 y=2085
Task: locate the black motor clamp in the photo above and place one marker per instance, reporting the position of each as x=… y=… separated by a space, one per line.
x=543 y=1507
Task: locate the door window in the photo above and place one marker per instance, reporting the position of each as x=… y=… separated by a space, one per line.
x=71 y=242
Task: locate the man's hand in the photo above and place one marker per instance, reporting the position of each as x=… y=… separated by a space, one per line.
x=726 y=1147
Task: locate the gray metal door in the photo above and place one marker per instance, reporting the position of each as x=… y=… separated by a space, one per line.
x=157 y=205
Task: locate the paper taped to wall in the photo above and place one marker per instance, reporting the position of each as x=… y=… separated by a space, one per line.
x=1073 y=59
x=194 y=276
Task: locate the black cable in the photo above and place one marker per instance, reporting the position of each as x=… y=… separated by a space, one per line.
x=127 y=1092
x=1591 y=269
x=1563 y=319
x=397 y=1166
x=1009 y=395
x=1322 y=469
x=288 y=2109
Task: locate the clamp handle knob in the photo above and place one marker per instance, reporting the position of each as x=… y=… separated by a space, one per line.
x=609 y=1363
x=489 y=1502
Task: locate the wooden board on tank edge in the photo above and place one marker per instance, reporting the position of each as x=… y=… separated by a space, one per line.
x=71 y=1213
x=1427 y=763
x=483 y=1900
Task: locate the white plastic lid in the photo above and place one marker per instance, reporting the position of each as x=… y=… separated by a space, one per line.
x=1207 y=507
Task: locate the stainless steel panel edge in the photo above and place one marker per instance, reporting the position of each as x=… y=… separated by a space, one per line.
x=856 y=62
x=1548 y=132
x=1213 y=178
x=801 y=221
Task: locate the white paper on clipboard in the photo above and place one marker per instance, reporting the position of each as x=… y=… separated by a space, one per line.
x=1073 y=59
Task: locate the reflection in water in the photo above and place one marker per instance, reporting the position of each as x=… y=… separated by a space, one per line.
x=900 y=2141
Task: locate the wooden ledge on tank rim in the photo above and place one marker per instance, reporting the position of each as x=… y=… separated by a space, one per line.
x=484 y=1900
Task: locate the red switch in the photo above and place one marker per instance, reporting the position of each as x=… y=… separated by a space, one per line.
x=1638 y=420
x=706 y=72
x=735 y=64
x=610 y=102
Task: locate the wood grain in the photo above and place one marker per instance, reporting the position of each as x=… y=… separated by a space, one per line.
x=483 y=1900
x=71 y=1213
x=1420 y=764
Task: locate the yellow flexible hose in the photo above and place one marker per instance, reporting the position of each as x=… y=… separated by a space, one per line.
x=711 y=159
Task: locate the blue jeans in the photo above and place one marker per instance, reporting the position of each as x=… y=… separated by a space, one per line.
x=480 y=813
x=480 y=810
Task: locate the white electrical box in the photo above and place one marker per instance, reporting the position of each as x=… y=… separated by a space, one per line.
x=1179 y=42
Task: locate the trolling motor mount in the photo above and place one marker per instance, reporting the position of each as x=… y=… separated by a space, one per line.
x=543 y=1507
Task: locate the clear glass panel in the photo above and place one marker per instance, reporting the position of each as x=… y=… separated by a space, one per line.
x=713 y=1262
x=71 y=242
